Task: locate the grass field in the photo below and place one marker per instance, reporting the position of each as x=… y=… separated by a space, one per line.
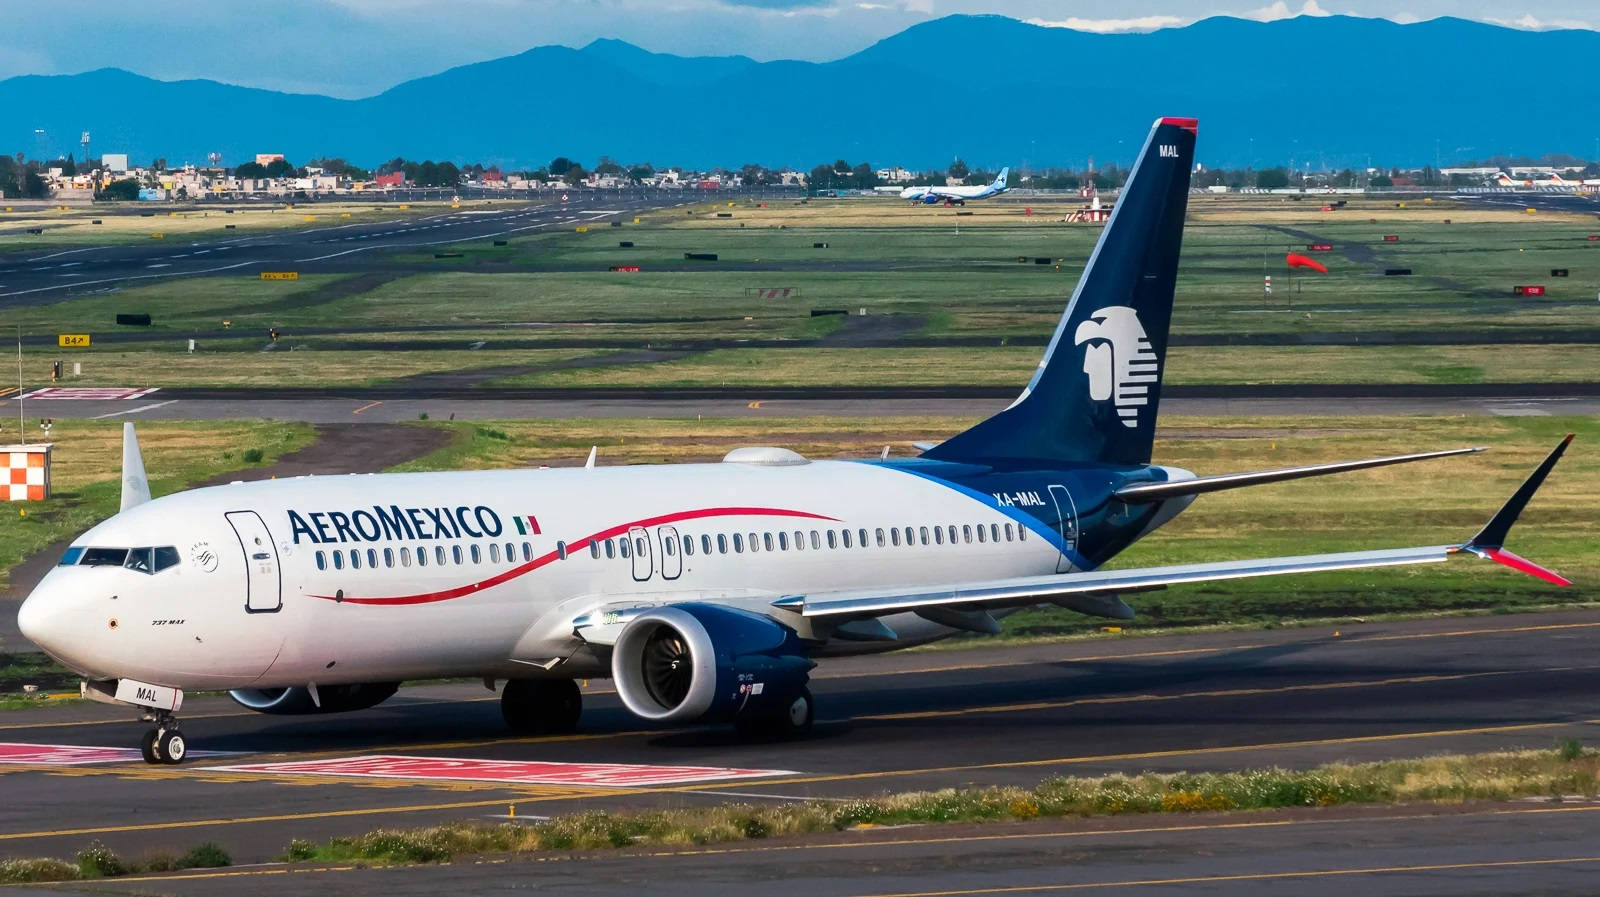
x=86 y=478
x=136 y=222
x=291 y=364
x=936 y=276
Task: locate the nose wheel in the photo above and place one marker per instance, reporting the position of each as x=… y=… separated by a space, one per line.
x=164 y=744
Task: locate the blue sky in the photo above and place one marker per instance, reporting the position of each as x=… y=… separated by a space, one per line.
x=354 y=48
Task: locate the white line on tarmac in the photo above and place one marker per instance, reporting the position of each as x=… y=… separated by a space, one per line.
x=66 y=252
x=130 y=277
x=319 y=258
x=133 y=410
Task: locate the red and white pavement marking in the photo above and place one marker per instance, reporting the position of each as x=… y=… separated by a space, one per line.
x=64 y=754
x=90 y=393
x=516 y=772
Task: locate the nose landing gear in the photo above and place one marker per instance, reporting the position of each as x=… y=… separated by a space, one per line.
x=163 y=743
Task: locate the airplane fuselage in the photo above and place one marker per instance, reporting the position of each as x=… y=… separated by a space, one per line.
x=389 y=577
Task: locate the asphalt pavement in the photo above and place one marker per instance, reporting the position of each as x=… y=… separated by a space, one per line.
x=1001 y=715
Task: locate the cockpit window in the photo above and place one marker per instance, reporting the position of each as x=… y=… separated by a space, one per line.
x=104 y=557
x=139 y=559
x=144 y=560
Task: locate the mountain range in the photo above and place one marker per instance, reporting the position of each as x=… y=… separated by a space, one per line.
x=1331 y=91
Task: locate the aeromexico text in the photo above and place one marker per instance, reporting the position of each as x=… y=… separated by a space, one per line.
x=395 y=522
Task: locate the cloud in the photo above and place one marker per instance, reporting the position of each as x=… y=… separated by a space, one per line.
x=778 y=5
x=1280 y=10
x=1530 y=22
x=1106 y=26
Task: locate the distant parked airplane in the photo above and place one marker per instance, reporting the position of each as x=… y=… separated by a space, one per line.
x=957 y=195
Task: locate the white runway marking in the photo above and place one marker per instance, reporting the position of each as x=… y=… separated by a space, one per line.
x=130 y=277
x=133 y=410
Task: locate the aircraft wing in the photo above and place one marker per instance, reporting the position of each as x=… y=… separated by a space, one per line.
x=1488 y=544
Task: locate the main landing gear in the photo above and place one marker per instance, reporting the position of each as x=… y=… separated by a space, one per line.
x=163 y=743
x=541 y=706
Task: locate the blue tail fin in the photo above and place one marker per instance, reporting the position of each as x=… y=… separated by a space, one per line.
x=1094 y=395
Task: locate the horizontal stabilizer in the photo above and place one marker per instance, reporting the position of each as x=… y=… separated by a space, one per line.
x=1149 y=492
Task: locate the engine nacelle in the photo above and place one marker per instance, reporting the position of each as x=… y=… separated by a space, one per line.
x=932 y=199
x=704 y=662
x=297 y=700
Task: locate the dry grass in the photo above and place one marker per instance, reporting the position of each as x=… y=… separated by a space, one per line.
x=288 y=365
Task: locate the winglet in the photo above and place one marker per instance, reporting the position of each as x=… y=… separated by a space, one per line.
x=1490 y=541
x=135 y=487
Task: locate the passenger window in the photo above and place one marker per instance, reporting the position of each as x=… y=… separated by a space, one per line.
x=455 y=554
x=952 y=534
x=938 y=535
x=355 y=559
x=338 y=560
x=625 y=547
x=880 y=537
x=755 y=543
x=705 y=544
x=799 y=541
x=688 y=546
x=816 y=541
x=783 y=541
x=670 y=546
x=527 y=551
x=388 y=557
x=966 y=533
x=833 y=541
x=422 y=556
x=594 y=549
x=372 y=558
x=924 y=533
x=994 y=532
x=405 y=556
x=863 y=540
x=983 y=533
x=561 y=549
x=71 y=556
x=640 y=548
x=738 y=544
x=894 y=535
x=1022 y=533
x=722 y=543
x=846 y=535
x=438 y=554
x=477 y=554
x=1010 y=535
x=494 y=552
x=139 y=559
x=322 y=561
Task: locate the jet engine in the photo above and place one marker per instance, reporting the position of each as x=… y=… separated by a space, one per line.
x=703 y=662
x=331 y=698
x=932 y=199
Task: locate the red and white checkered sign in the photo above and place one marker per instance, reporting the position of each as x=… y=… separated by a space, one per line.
x=27 y=472
x=90 y=393
x=514 y=772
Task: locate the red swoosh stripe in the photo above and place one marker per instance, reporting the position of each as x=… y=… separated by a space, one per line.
x=572 y=547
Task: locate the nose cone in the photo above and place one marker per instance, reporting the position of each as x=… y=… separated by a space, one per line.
x=52 y=620
x=38 y=623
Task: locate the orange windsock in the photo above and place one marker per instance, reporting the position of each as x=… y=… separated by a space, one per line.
x=1296 y=260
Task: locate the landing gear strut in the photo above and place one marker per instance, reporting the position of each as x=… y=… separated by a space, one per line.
x=163 y=743
x=541 y=706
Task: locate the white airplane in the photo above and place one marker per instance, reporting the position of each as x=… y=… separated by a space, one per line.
x=1501 y=179
x=707 y=591
x=957 y=195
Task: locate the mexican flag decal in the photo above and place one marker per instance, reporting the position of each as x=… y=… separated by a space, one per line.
x=527 y=525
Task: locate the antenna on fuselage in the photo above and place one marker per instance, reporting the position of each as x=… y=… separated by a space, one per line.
x=135 y=487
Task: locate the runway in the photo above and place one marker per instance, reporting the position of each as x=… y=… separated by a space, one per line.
x=51 y=274
x=922 y=720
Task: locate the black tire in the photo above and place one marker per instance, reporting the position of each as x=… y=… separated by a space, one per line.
x=541 y=706
x=795 y=720
x=172 y=747
x=147 y=746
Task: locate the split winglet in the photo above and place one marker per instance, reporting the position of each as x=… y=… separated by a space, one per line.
x=1490 y=541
